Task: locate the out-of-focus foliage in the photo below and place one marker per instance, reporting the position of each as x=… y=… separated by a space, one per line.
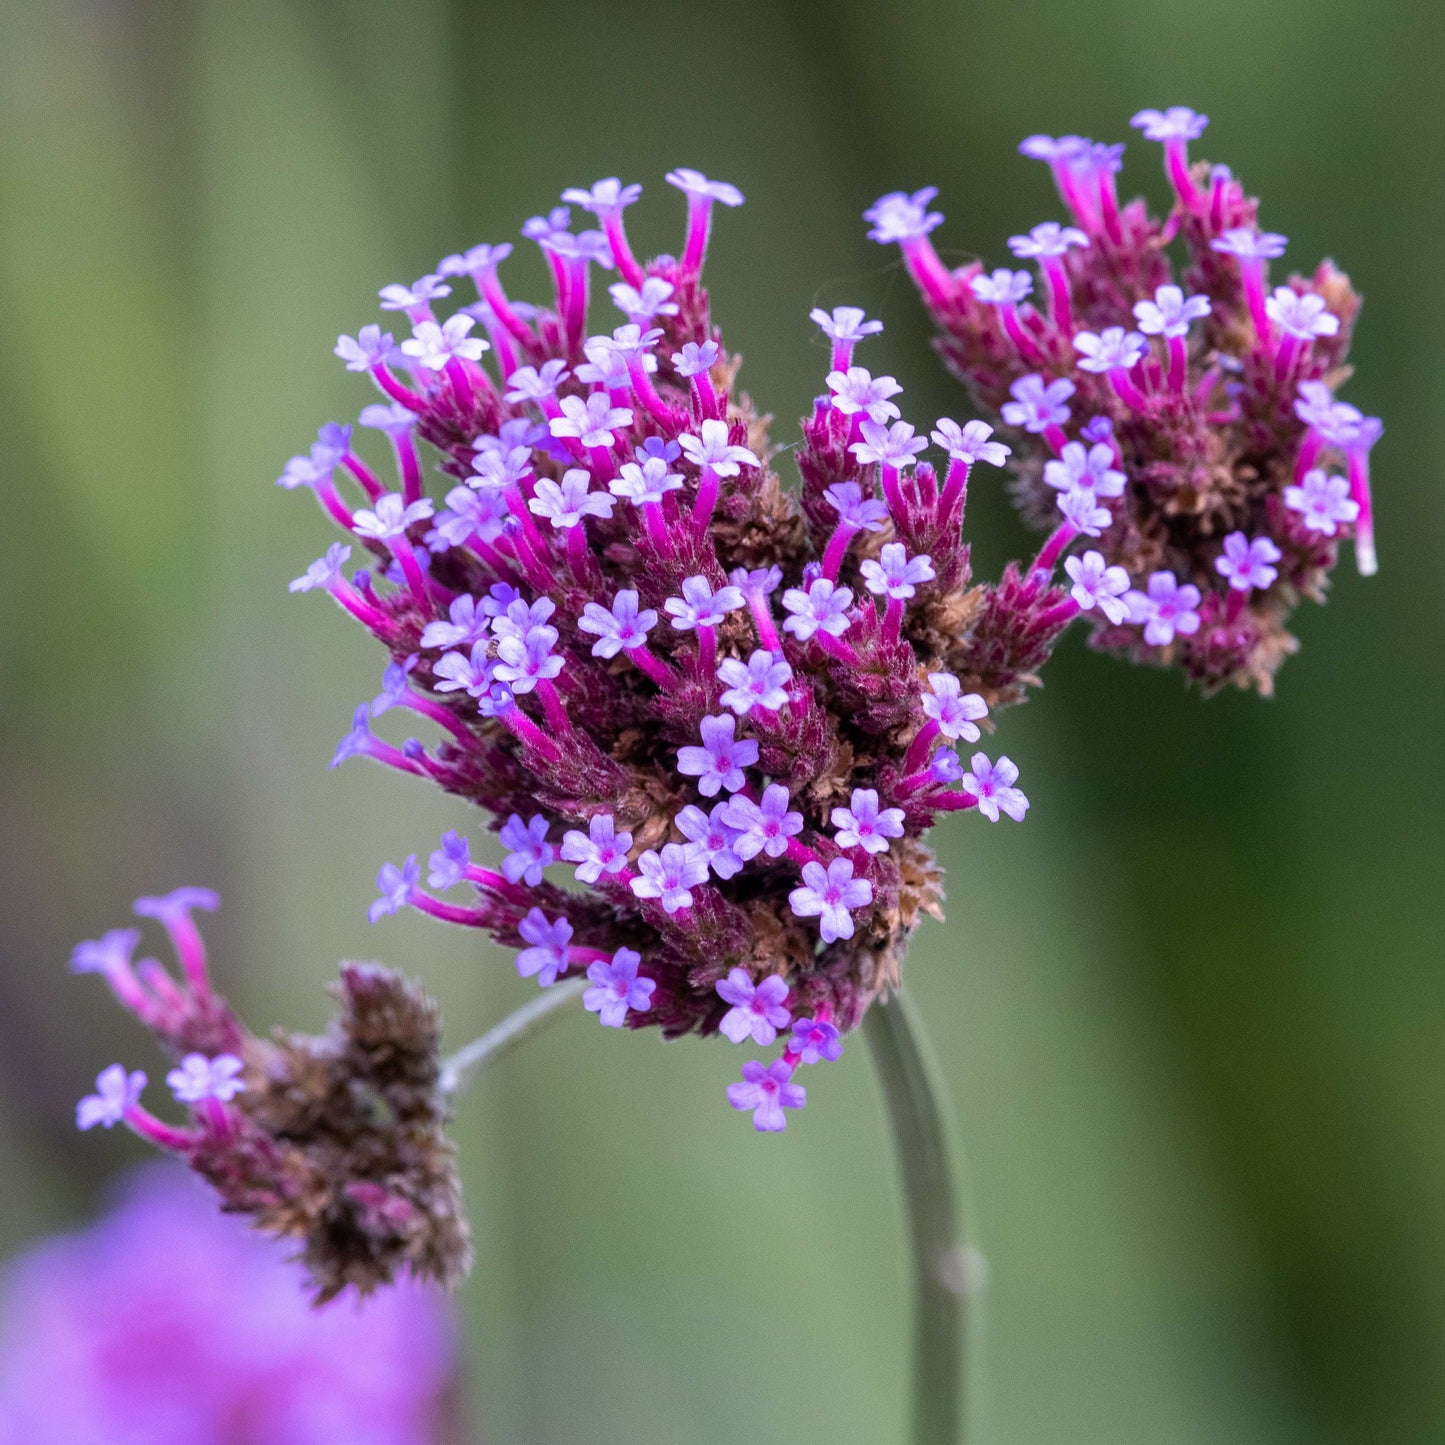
x=1193 y=1010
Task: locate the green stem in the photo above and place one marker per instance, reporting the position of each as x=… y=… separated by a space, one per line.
x=463 y=1066
x=916 y=1109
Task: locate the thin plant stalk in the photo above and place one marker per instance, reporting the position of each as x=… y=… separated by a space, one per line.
x=463 y=1066
x=914 y=1099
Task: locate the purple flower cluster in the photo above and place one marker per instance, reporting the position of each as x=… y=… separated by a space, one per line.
x=728 y=711
x=1185 y=423
x=166 y=1323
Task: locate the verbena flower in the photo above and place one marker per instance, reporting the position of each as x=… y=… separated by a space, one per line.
x=166 y=1321
x=1161 y=340
x=726 y=708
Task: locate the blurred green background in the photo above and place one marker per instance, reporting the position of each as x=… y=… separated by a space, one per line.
x=1192 y=1012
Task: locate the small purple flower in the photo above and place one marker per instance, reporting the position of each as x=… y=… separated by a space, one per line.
x=390 y=516
x=646 y=482
x=1091 y=468
x=761 y=682
x=713 y=836
x=828 y=895
x=854 y=509
x=401 y=298
x=467 y=623
x=895 y=574
x=529 y=852
x=371 y=346
x=1301 y=314
x=1170 y=312
x=311 y=470
x=519 y=617
x=1249 y=244
x=107 y=955
x=969 y=443
x=863 y=824
x=1176 y=123
x=1322 y=501
x=758 y=1010
x=479 y=258
x=448 y=864
x=325 y=571
x=1111 y=349
x=621 y=626
x=1047 y=239
x=944 y=766
x=524 y=662
x=471 y=673
x=956 y=712
x=1036 y=405
x=1337 y=422
x=760 y=582
x=115 y=1092
x=1246 y=564
x=844 y=323
x=1098 y=585
x=901 y=217
x=711 y=449
x=857 y=389
x=394 y=886
x=993 y=785
x=1165 y=609
x=720 y=761
x=763 y=827
x=814 y=1041
x=694 y=183
x=566 y=505
x=1081 y=510
x=822 y=608
x=1003 y=287
x=767 y=1091
x=547 y=956
x=534 y=384
x=695 y=359
x=700 y=606
x=179 y=903
x=389 y=417
x=616 y=989
x=1046 y=148
x=600 y=198
x=199 y=1078
x=653 y=298
x=889 y=446
x=671 y=875
x=432 y=346
x=601 y=849
x=631 y=340
x=592 y=421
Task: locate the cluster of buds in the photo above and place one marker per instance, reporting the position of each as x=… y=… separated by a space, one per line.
x=1186 y=424
x=728 y=709
x=333 y=1142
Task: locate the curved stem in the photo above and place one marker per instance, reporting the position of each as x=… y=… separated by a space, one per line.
x=917 y=1112
x=463 y=1066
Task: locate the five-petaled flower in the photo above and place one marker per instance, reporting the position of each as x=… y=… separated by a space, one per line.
x=616 y=989
x=758 y=1010
x=829 y=895
x=767 y=1090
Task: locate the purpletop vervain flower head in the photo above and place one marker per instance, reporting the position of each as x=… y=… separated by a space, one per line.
x=718 y=711
x=1215 y=390
x=333 y=1143
x=166 y=1321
